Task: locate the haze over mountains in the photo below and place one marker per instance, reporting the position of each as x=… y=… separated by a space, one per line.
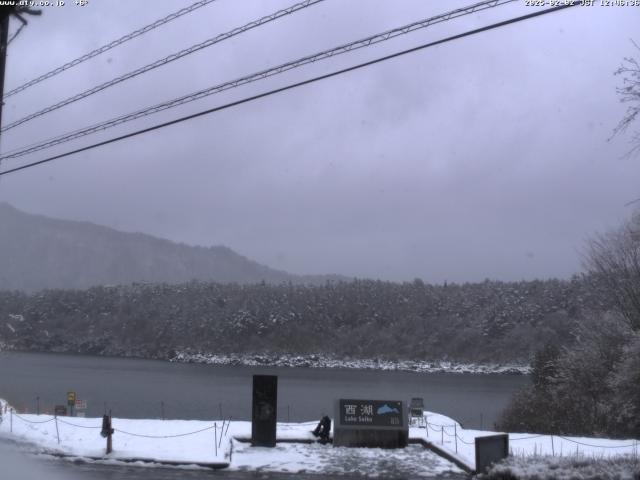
x=38 y=252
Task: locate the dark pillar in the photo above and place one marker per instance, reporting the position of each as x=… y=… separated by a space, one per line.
x=265 y=409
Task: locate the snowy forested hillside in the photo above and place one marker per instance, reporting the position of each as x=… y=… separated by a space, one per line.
x=484 y=322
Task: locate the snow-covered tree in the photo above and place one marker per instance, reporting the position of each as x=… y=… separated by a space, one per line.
x=614 y=259
x=626 y=386
x=629 y=92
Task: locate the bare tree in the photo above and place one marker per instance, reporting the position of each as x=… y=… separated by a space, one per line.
x=614 y=260
x=629 y=93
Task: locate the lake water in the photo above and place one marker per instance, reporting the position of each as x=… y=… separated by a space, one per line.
x=137 y=388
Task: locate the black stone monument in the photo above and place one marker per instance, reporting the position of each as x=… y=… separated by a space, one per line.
x=264 y=410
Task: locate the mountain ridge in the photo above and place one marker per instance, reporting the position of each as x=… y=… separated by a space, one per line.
x=40 y=252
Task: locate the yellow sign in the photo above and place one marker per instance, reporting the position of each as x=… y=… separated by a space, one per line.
x=71 y=398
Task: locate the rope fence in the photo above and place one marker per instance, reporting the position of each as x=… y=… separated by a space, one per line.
x=464 y=441
x=166 y=436
x=442 y=430
x=219 y=430
x=596 y=446
x=77 y=426
x=525 y=438
x=32 y=421
x=450 y=431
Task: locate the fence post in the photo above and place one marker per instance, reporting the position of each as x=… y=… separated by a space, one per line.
x=426 y=422
x=215 y=438
x=228 y=423
x=553 y=450
x=109 y=432
x=220 y=439
x=57 y=430
x=455 y=432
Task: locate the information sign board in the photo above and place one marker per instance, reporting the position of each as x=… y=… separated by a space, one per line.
x=370 y=423
x=60 y=410
x=371 y=413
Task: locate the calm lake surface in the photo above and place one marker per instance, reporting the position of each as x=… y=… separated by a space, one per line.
x=135 y=388
x=148 y=389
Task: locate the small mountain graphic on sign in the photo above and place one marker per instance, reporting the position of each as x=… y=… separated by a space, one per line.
x=386 y=409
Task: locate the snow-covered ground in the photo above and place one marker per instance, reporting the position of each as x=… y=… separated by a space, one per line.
x=322 y=361
x=567 y=468
x=194 y=442
x=182 y=441
x=413 y=461
x=446 y=433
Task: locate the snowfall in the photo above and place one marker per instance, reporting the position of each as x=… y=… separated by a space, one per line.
x=225 y=444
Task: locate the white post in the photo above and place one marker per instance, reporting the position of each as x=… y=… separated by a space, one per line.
x=455 y=432
x=57 y=431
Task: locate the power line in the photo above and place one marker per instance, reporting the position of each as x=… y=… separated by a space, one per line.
x=362 y=43
x=108 y=46
x=163 y=61
x=294 y=85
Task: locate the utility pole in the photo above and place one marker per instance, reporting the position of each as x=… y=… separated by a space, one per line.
x=4 y=34
x=5 y=13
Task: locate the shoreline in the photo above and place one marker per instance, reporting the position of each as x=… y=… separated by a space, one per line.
x=320 y=361
x=313 y=361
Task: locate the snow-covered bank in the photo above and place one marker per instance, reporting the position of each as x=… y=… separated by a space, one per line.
x=448 y=434
x=322 y=361
x=192 y=442
x=177 y=441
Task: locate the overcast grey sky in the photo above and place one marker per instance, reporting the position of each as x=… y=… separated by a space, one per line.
x=486 y=157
